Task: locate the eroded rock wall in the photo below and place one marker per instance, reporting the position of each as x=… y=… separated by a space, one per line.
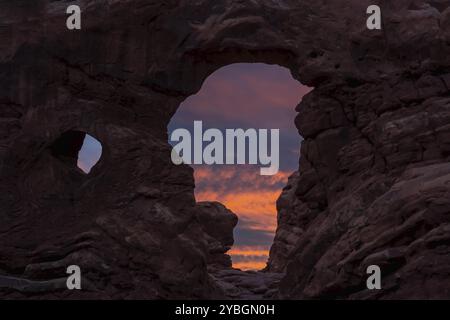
x=372 y=183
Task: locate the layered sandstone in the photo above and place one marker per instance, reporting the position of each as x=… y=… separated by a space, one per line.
x=373 y=182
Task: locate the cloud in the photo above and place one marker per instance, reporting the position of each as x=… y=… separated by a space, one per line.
x=249 y=265
x=249 y=258
x=253 y=198
x=219 y=179
x=250 y=235
x=248 y=94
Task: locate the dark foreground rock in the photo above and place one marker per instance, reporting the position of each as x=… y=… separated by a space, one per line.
x=218 y=224
x=247 y=285
x=373 y=185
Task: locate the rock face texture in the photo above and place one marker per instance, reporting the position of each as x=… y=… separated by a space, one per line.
x=217 y=223
x=290 y=215
x=247 y=285
x=373 y=185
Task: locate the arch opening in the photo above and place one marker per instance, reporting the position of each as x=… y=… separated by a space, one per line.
x=90 y=154
x=246 y=95
x=77 y=149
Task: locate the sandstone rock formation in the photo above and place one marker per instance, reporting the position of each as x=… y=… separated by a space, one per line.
x=247 y=285
x=374 y=177
x=217 y=223
x=289 y=230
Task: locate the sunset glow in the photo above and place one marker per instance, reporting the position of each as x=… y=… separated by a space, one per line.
x=255 y=198
x=249 y=258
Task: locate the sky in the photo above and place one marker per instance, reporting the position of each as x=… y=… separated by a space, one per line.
x=258 y=96
x=246 y=96
x=89 y=154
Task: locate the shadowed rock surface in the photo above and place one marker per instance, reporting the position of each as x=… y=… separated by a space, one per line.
x=217 y=223
x=373 y=185
x=247 y=285
x=290 y=213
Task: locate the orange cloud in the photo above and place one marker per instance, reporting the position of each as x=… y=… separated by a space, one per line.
x=249 y=258
x=246 y=177
x=248 y=251
x=258 y=207
x=250 y=265
x=252 y=197
x=254 y=200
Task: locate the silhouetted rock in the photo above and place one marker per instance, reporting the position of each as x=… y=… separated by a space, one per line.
x=289 y=230
x=217 y=223
x=373 y=184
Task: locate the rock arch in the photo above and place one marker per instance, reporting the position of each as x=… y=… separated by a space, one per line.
x=374 y=166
